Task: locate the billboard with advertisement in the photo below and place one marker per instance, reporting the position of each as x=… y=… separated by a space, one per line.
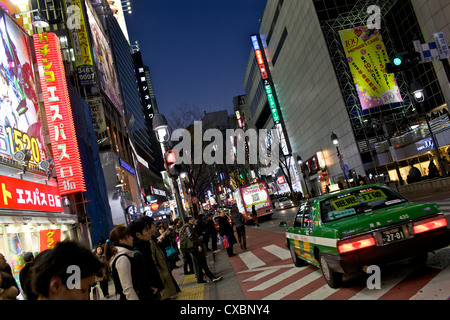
x=58 y=110
x=19 y=194
x=80 y=45
x=366 y=56
x=257 y=195
x=20 y=119
x=104 y=59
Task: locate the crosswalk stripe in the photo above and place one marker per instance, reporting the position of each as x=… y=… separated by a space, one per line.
x=260 y=275
x=294 y=286
x=251 y=260
x=437 y=289
x=281 y=253
x=320 y=294
x=277 y=279
x=386 y=285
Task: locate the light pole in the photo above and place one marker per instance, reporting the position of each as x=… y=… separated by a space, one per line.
x=335 y=140
x=419 y=96
x=161 y=128
x=299 y=162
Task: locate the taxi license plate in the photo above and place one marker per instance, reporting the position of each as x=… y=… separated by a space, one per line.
x=392 y=235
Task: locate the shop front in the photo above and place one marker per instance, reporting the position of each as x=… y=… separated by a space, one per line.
x=32 y=217
x=416 y=149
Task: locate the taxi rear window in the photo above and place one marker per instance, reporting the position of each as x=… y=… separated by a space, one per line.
x=359 y=201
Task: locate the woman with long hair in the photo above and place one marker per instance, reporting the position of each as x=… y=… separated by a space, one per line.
x=119 y=254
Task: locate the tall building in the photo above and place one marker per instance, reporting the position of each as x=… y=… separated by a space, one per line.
x=317 y=95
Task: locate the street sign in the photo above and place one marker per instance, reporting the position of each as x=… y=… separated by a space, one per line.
x=194 y=200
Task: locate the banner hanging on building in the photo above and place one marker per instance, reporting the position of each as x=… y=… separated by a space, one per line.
x=367 y=57
x=58 y=110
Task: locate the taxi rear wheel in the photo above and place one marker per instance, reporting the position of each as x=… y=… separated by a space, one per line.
x=298 y=262
x=333 y=279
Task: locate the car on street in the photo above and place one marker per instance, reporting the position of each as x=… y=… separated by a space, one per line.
x=368 y=225
x=283 y=203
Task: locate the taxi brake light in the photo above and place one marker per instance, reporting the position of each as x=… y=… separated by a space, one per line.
x=356 y=243
x=429 y=224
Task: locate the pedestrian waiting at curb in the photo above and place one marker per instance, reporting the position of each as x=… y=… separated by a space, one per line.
x=53 y=271
x=255 y=216
x=212 y=233
x=190 y=243
x=239 y=221
x=152 y=282
x=119 y=254
x=171 y=288
x=226 y=230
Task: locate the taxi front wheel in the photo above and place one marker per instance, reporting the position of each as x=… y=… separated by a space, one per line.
x=333 y=279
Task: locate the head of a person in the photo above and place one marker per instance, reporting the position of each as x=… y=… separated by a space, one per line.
x=65 y=272
x=151 y=225
x=2 y=261
x=28 y=257
x=191 y=220
x=234 y=209
x=139 y=230
x=119 y=236
x=222 y=213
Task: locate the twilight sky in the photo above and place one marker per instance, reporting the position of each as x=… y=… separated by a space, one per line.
x=197 y=50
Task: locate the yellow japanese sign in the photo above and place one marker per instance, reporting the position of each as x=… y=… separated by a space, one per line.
x=345 y=202
x=367 y=57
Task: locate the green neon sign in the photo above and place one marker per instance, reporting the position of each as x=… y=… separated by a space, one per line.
x=272 y=105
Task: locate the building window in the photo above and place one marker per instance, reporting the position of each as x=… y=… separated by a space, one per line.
x=274 y=20
x=279 y=47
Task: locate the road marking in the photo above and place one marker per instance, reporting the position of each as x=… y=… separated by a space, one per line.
x=277 y=279
x=260 y=275
x=251 y=260
x=436 y=289
x=320 y=294
x=386 y=285
x=278 y=251
x=294 y=286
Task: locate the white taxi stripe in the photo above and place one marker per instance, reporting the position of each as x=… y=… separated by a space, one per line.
x=294 y=286
x=281 y=253
x=316 y=240
x=277 y=279
x=251 y=260
x=436 y=289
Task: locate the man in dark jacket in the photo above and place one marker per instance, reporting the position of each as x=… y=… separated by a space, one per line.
x=212 y=233
x=239 y=221
x=198 y=254
x=152 y=284
x=23 y=276
x=226 y=230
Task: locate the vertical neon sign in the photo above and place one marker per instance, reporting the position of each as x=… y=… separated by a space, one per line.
x=58 y=112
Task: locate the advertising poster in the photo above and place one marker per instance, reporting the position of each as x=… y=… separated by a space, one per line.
x=257 y=195
x=367 y=57
x=49 y=238
x=81 y=47
x=20 y=125
x=104 y=58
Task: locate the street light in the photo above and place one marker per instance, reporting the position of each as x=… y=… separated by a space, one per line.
x=419 y=96
x=161 y=128
x=38 y=19
x=335 y=141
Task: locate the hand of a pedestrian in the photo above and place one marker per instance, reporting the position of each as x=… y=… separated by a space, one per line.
x=155 y=290
x=199 y=249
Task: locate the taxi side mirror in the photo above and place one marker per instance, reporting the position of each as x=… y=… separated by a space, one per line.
x=282 y=224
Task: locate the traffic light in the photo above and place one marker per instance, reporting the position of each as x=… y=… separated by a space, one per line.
x=403 y=61
x=172 y=168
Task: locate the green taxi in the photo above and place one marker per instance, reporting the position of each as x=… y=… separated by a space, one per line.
x=368 y=225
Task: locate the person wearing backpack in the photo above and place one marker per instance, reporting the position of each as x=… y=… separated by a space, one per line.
x=119 y=253
x=190 y=243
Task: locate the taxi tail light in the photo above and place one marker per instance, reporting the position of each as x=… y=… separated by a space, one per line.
x=429 y=224
x=356 y=243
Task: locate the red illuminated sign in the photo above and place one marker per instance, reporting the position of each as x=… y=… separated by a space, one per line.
x=58 y=112
x=26 y=195
x=262 y=66
x=49 y=238
x=281 y=180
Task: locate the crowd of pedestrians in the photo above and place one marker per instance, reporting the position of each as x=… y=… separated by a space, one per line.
x=138 y=259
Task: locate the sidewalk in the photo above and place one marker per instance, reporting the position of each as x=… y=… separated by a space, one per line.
x=219 y=264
